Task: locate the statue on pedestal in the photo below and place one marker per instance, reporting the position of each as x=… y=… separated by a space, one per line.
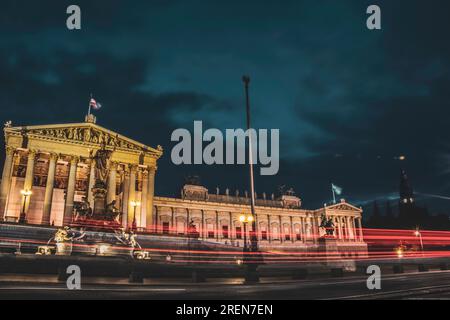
x=192 y=230
x=83 y=209
x=328 y=225
x=113 y=211
x=101 y=161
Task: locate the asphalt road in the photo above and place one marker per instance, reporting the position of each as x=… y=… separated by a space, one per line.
x=434 y=285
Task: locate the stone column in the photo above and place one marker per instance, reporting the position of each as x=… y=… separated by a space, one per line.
x=202 y=233
x=90 y=194
x=125 y=193
x=361 y=237
x=303 y=226
x=143 y=213
x=70 y=193
x=339 y=225
x=174 y=227
x=292 y=231
x=344 y=229
x=217 y=226
x=48 y=198
x=348 y=228
x=111 y=195
x=188 y=220
x=280 y=229
x=355 y=235
x=131 y=194
x=28 y=184
x=230 y=227
x=6 y=180
x=150 y=194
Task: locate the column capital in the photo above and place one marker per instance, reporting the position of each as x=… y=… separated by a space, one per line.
x=10 y=150
x=32 y=153
x=74 y=159
x=113 y=164
x=133 y=168
x=152 y=170
x=54 y=156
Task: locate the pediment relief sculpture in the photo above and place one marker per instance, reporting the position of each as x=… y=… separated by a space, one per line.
x=344 y=207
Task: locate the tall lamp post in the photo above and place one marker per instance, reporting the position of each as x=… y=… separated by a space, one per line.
x=251 y=274
x=134 y=204
x=417 y=233
x=23 y=214
x=245 y=219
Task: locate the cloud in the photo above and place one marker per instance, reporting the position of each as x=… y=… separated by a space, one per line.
x=331 y=86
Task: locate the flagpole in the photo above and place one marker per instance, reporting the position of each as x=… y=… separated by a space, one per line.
x=334 y=196
x=89 y=109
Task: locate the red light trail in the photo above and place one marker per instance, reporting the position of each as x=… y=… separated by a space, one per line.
x=382 y=244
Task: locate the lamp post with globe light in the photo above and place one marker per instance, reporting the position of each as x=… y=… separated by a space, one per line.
x=417 y=233
x=251 y=275
x=245 y=219
x=134 y=204
x=23 y=214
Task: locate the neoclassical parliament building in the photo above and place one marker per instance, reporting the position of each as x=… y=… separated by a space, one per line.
x=48 y=169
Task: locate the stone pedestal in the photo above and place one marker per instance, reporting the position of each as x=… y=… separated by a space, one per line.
x=99 y=200
x=329 y=249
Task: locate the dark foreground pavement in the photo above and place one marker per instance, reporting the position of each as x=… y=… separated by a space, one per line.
x=434 y=285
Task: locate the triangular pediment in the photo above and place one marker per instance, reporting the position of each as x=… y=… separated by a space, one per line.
x=344 y=206
x=85 y=133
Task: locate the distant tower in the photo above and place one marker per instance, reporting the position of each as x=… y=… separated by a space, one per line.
x=405 y=191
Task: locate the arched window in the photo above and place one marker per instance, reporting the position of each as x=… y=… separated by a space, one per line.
x=263 y=230
x=210 y=229
x=287 y=232
x=181 y=226
x=275 y=231
x=298 y=235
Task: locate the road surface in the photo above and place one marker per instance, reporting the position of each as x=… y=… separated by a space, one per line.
x=435 y=284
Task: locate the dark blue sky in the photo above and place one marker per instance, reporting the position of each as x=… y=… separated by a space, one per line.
x=347 y=100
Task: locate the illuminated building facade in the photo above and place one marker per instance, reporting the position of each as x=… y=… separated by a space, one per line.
x=49 y=169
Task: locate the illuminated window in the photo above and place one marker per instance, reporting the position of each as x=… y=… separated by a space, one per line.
x=287 y=233
x=275 y=232
x=166 y=227
x=238 y=233
x=264 y=235
x=180 y=227
x=210 y=228
x=225 y=232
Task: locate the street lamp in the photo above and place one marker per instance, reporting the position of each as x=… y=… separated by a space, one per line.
x=251 y=274
x=399 y=252
x=417 y=233
x=23 y=214
x=134 y=204
x=245 y=219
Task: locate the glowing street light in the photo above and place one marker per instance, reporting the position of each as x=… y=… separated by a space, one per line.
x=251 y=275
x=23 y=214
x=134 y=204
x=246 y=219
x=400 y=253
x=417 y=233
